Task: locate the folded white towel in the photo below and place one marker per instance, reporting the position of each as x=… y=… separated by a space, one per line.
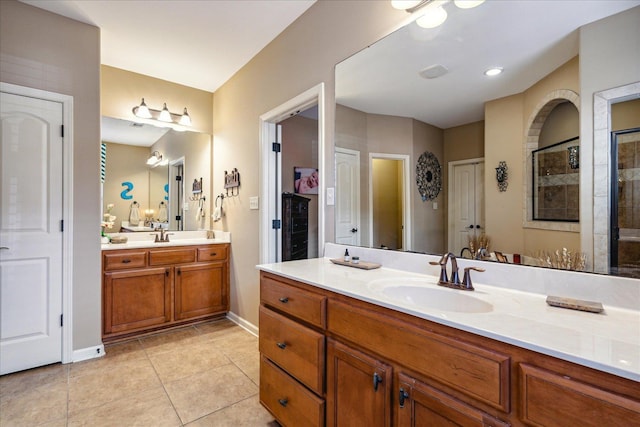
x=134 y=214
x=163 y=215
x=217 y=214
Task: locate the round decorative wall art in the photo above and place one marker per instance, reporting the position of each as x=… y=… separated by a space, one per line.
x=428 y=176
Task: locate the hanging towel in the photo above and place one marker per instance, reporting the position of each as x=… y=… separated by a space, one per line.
x=134 y=214
x=163 y=216
x=217 y=214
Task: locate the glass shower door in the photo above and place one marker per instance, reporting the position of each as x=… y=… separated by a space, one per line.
x=625 y=203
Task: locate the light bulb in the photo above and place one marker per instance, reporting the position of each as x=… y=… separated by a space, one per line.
x=185 y=119
x=165 y=115
x=142 y=110
x=432 y=18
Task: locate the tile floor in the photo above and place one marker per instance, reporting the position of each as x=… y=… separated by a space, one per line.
x=201 y=375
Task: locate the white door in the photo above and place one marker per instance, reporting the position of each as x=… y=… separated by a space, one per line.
x=30 y=232
x=467 y=210
x=348 y=197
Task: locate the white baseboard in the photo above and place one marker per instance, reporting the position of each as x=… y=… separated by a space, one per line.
x=88 y=353
x=244 y=324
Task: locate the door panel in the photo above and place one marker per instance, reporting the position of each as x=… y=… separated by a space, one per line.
x=348 y=230
x=30 y=217
x=468 y=204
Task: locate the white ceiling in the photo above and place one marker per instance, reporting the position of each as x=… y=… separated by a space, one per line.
x=199 y=43
x=529 y=39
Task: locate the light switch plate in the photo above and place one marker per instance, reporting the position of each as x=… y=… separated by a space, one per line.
x=253 y=203
x=185 y=206
x=435 y=206
x=331 y=196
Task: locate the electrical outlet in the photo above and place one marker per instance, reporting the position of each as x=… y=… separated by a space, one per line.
x=253 y=203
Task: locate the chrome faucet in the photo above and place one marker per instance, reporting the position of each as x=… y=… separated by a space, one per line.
x=454 y=281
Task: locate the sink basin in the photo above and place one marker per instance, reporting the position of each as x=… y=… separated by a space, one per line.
x=427 y=296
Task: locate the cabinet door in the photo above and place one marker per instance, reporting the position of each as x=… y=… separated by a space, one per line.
x=136 y=299
x=420 y=405
x=358 y=388
x=200 y=290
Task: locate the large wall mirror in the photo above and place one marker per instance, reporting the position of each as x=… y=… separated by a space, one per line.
x=141 y=163
x=423 y=93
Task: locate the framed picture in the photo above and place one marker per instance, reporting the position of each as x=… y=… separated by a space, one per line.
x=305 y=180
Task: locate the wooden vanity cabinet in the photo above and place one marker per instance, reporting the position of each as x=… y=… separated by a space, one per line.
x=358 y=388
x=428 y=374
x=154 y=288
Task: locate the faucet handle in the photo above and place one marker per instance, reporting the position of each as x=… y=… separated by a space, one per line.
x=157 y=240
x=166 y=236
x=443 y=270
x=466 y=279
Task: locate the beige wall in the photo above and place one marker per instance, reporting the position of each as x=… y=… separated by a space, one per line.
x=45 y=51
x=303 y=56
x=625 y=115
x=300 y=148
x=122 y=90
x=376 y=133
x=505 y=121
x=126 y=163
x=460 y=143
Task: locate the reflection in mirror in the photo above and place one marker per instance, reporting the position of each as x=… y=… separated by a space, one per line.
x=162 y=202
x=468 y=120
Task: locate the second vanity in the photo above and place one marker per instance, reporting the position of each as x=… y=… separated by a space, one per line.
x=341 y=346
x=149 y=285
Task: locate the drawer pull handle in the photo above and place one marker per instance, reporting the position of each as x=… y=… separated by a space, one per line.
x=283 y=402
x=126 y=261
x=284 y=300
x=281 y=345
x=401 y=398
x=377 y=379
x=213 y=254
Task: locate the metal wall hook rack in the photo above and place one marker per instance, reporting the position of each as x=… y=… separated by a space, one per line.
x=232 y=181
x=196 y=189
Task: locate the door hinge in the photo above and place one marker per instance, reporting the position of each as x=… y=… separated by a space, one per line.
x=178 y=217
x=62 y=131
x=178 y=177
x=61 y=225
x=276 y=147
x=61 y=320
x=275 y=224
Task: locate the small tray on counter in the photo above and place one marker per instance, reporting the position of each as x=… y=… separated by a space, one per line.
x=575 y=304
x=364 y=265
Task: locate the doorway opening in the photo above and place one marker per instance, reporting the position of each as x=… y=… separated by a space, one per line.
x=276 y=126
x=389 y=201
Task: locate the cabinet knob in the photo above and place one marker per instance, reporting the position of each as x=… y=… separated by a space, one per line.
x=283 y=402
x=377 y=379
x=402 y=396
x=281 y=345
x=284 y=300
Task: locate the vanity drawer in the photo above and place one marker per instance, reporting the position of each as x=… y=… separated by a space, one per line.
x=304 y=305
x=212 y=253
x=549 y=398
x=477 y=372
x=289 y=401
x=172 y=256
x=295 y=348
x=123 y=260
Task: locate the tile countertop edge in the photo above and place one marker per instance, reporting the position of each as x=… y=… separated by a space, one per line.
x=317 y=271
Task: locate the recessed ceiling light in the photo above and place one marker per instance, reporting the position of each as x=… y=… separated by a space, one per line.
x=493 y=71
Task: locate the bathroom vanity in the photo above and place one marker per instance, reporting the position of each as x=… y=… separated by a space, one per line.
x=342 y=346
x=148 y=286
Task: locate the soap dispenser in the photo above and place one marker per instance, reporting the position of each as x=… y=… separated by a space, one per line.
x=347 y=258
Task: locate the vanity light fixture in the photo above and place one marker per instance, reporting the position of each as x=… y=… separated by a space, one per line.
x=163 y=115
x=155 y=158
x=431 y=13
x=493 y=71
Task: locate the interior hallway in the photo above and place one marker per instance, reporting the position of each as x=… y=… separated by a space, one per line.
x=201 y=375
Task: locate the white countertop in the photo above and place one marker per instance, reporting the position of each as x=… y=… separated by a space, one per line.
x=609 y=341
x=176 y=238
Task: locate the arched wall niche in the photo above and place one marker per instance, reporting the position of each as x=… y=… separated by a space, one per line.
x=533 y=129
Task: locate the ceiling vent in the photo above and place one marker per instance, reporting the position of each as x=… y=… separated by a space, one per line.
x=434 y=71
